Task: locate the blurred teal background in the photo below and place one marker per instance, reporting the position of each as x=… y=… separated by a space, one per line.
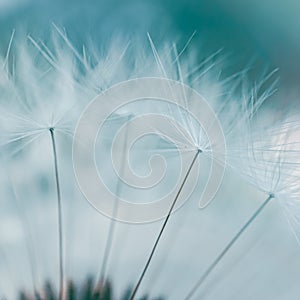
x=267 y=31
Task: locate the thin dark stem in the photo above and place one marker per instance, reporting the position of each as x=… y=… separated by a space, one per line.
x=163 y=226
x=110 y=235
x=60 y=229
x=227 y=248
x=108 y=245
x=112 y=225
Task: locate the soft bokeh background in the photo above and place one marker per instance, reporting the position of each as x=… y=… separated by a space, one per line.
x=268 y=30
x=264 y=32
x=265 y=265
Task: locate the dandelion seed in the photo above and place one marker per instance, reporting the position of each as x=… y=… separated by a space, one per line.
x=270 y=161
x=36 y=104
x=194 y=138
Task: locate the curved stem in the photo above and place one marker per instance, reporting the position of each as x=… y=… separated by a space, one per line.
x=59 y=206
x=109 y=239
x=112 y=225
x=163 y=226
x=227 y=248
x=107 y=248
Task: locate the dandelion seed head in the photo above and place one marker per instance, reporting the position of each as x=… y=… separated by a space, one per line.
x=269 y=157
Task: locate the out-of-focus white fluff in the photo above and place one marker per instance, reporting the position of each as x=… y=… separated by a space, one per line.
x=47 y=84
x=268 y=156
